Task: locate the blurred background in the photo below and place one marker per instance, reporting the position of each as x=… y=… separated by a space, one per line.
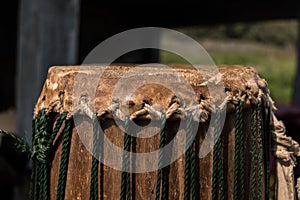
x=35 y=35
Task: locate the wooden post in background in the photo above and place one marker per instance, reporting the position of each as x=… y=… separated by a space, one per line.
x=48 y=35
x=296 y=92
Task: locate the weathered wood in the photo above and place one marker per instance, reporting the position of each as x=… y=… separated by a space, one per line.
x=296 y=93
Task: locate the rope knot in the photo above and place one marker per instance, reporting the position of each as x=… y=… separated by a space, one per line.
x=41 y=147
x=42 y=151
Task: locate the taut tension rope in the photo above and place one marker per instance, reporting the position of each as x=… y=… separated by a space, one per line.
x=125 y=180
x=239 y=164
x=95 y=161
x=189 y=170
x=259 y=150
x=254 y=161
x=256 y=152
x=64 y=160
x=161 y=174
x=267 y=149
x=217 y=178
x=40 y=154
x=47 y=125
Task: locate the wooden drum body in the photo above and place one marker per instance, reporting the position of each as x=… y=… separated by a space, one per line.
x=236 y=167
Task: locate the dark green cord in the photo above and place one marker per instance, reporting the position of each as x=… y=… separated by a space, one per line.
x=253 y=153
x=267 y=150
x=218 y=179
x=192 y=156
x=161 y=174
x=34 y=182
x=60 y=120
x=259 y=151
x=163 y=144
x=20 y=142
x=63 y=168
x=256 y=152
x=95 y=162
x=45 y=172
x=42 y=142
x=239 y=165
x=189 y=171
x=34 y=178
x=193 y=178
x=125 y=180
x=42 y=151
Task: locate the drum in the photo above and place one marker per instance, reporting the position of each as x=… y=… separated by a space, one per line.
x=122 y=132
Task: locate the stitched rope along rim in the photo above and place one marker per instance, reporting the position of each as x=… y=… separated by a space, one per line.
x=40 y=172
x=44 y=135
x=41 y=155
x=240 y=84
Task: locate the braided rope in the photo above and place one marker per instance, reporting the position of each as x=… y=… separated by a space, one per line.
x=188 y=158
x=192 y=156
x=253 y=153
x=46 y=167
x=267 y=152
x=161 y=174
x=163 y=143
x=95 y=162
x=125 y=180
x=41 y=137
x=60 y=120
x=193 y=178
x=63 y=168
x=256 y=151
x=34 y=181
x=239 y=189
x=20 y=142
x=259 y=150
x=45 y=188
x=218 y=179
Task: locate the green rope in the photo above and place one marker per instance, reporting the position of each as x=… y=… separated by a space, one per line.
x=41 y=153
x=22 y=146
x=239 y=189
x=192 y=156
x=45 y=172
x=193 y=178
x=63 y=168
x=162 y=145
x=43 y=137
x=256 y=151
x=40 y=147
x=253 y=153
x=125 y=180
x=187 y=161
x=95 y=162
x=20 y=142
x=267 y=130
x=161 y=174
x=218 y=179
x=59 y=122
x=259 y=150
x=34 y=180
x=189 y=171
